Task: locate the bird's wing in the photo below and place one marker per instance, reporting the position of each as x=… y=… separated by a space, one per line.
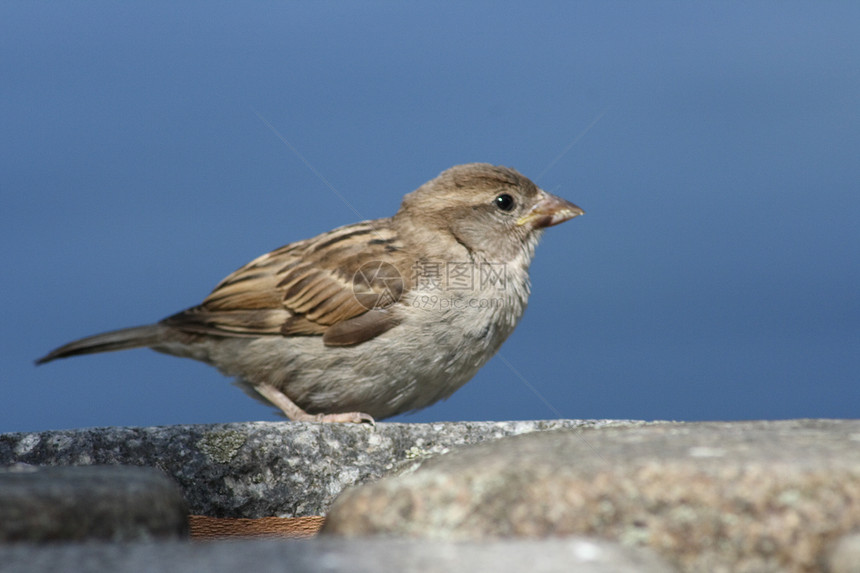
x=340 y=285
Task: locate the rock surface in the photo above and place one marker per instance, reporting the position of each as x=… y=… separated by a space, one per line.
x=81 y=503
x=742 y=496
x=845 y=557
x=262 y=469
x=336 y=556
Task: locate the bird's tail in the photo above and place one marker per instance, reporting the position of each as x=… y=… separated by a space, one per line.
x=116 y=340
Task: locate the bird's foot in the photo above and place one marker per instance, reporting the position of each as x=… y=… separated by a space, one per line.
x=292 y=411
x=343 y=417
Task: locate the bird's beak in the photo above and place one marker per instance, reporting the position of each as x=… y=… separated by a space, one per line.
x=548 y=211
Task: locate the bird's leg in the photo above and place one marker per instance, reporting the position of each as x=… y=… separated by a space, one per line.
x=293 y=412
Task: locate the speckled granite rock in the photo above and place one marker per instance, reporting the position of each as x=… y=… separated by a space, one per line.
x=336 y=556
x=260 y=469
x=742 y=496
x=845 y=556
x=117 y=503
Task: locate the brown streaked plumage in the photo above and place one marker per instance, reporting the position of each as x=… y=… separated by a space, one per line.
x=336 y=327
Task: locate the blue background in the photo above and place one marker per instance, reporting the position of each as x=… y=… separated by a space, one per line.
x=714 y=146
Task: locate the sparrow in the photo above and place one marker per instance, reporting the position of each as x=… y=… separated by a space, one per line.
x=372 y=319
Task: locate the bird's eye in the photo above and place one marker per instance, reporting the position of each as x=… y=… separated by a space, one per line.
x=504 y=202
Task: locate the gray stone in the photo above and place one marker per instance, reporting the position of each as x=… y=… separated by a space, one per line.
x=334 y=556
x=99 y=502
x=261 y=469
x=743 y=496
x=845 y=557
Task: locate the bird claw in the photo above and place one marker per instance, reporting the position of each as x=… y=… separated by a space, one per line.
x=292 y=411
x=345 y=418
